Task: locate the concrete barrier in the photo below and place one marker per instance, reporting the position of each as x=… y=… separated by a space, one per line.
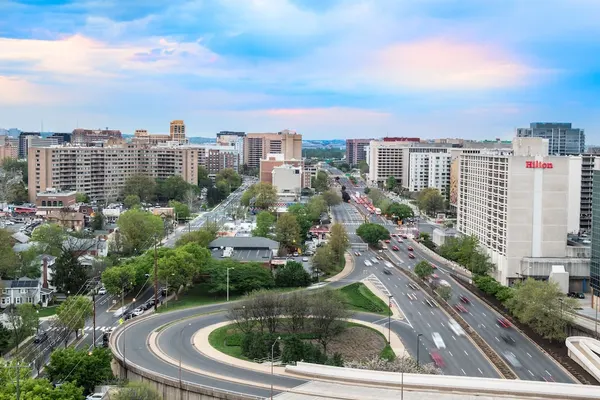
x=584 y=351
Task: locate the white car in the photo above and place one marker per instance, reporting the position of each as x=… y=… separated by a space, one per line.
x=95 y=396
x=305 y=259
x=456 y=328
x=375 y=261
x=102 y=291
x=368 y=263
x=138 y=311
x=438 y=341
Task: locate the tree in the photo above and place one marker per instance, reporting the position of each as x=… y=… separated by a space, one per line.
x=315 y=207
x=542 y=306
x=325 y=260
x=423 y=269
x=14 y=166
x=390 y=184
x=264 y=223
x=372 y=233
x=137 y=229
x=292 y=274
x=305 y=221
x=131 y=201
x=29 y=264
x=445 y=292
x=376 y=196
x=214 y=196
x=182 y=211
x=202 y=237
x=137 y=391
x=331 y=198
x=69 y=275
x=73 y=312
x=140 y=185
x=22 y=320
x=328 y=313
x=338 y=241
x=50 y=238
x=263 y=195
x=8 y=258
x=400 y=211
x=465 y=251
x=231 y=177
x=204 y=180
x=119 y=278
x=320 y=182
x=80 y=367
x=98 y=220
x=17 y=193
x=177 y=267
x=430 y=200
x=296 y=308
x=82 y=198
x=172 y=188
x=5 y=337
x=287 y=231
x=37 y=388
x=243 y=277
x=363 y=167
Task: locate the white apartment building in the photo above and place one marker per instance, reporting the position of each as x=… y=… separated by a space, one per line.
x=521 y=204
x=387 y=159
x=429 y=170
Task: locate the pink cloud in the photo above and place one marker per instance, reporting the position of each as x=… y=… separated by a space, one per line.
x=21 y=92
x=328 y=112
x=442 y=63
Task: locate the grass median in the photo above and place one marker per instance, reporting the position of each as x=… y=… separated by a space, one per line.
x=360 y=298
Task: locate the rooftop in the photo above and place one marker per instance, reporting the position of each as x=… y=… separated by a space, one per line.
x=245 y=255
x=245 y=243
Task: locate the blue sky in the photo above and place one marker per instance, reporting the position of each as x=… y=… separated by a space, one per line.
x=326 y=68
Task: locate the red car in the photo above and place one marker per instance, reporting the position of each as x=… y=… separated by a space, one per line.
x=464 y=299
x=393 y=235
x=395 y=248
x=503 y=322
x=433 y=266
x=404 y=237
x=409 y=248
x=387 y=241
x=411 y=255
x=460 y=308
x=400 y=240
x=437 y=359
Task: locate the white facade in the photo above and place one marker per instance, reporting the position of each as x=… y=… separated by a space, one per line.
x=520 y=205
x=387 y=159
x=287 y=179
x=429 y=170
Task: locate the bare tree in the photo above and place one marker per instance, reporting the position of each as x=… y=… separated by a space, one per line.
x=296 y=308
x=328 y=313
x=265 y=308
x=189 y=197
x=242 y=317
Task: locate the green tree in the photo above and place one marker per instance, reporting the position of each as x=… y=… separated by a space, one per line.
x=390 y=184
x=84 y=369
x=178 y=267
x=325 y=260
x=73 y=312
x=50 y=238
x=363 y=167
x=182 y=211
x=320 y=182
x=372 y=233
x=14 y=166
x=338 y=241
x=214 y=195
x=98 y=220
x=331 y=198
x=137 y=391
x=17 y=193
x=131 y=201
x=263 y=195
x=5 y=337
x=287 y=231
x=172 y=188
x=243 y=277
x=315 y=207
x=264 y=223
x=401 y=211
x=445 y=292
x=137 y=230
x=22 y=320
x=305 y=221
x=140 y=185
x=202 y=237
x=69 y=275
x=430 y=200
x=82 y=198
x=37 y=388
x=29 y=264
x=231 y=177
x=376 y=196
x=542 y=306
x=465 y=251
x=423 y=269
x=292 y=274
x=204 y=180
x=118 y=278
x=8 y=258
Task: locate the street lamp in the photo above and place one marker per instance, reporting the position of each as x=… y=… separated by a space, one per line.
x=390 y=320
x=272 y=362
x=228 y=281
x=418 y=346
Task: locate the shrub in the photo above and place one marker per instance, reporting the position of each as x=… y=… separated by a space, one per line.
x=292 y=274
x=504 y=293
x=336 y=360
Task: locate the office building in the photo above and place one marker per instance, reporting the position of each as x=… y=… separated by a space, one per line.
x=589 y=163
x=176 y=135
x=101 y=172
x=276 y=160
x=177 y=131
x=234 y=139
x=8 y=148
x=258 y=145
x=61 y=137
x=429 y=170
x=215 y=158
x=87 y=137
x=38 y=141
x=521 y=205
x=595 y=254
x=355 y=150
x=23 y=143
x=287 y=179
x=563 y=139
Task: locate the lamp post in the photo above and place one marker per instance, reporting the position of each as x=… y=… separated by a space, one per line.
x=390 y=320
x=272 y=362
x=228 y=281
x=418 y=346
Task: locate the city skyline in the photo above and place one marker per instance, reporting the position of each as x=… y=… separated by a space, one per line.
x=328 y=69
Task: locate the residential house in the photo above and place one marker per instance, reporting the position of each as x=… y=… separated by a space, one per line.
x=23 y=291
x=96 y=247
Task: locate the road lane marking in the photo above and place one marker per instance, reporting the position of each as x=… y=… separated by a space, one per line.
x=483 y=326
x=531 y=372
x=467 y=354
x=496 y=338
x=483 y=314
x=429 y=325
x=463 y=371
x=480 y=371
x=419 y=312
x=432 y=313
x=451 y=355
x=529 y=355
x=548 y=372
x=453 y=337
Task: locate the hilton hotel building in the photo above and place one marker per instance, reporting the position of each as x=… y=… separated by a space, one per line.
x=521 y=204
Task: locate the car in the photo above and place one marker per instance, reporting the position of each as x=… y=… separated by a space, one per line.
x=412 y=286
x=387 y=240
x=438 y=341
x=368 y=263
x=434 y=266
x=460 y=308
x=102 y=291
x=409 y=248
x=304 y=259
x=430 y=303
x=357 y=254
x=400 y=240
x=437 y=359
x=138 y=311
x=411 y=296
x=395 y=248
x=411 y=255
x=127 y=316
x=508 y=339
x=580 y=295
x=379 y=258
x=464 y=299
x=40 y=337
x=95 y=396
x=295 y=254
x=374 y=260
x=503 y=322
x=404 y=237
x=455 y=327
x=512 y=359
x=387 y=271
x=393 y=235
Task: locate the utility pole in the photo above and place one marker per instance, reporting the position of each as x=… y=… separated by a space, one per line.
x=155 y=277
x=18 y=380
x=94 y=317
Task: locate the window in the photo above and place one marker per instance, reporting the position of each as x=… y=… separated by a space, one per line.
x=23 y=291
x=4 y=291
x=18 y=300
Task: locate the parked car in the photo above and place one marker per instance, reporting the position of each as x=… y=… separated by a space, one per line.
x=305 y=259
x=295 y=254
x=95 y=396
x=102 y=291
x=41 y=337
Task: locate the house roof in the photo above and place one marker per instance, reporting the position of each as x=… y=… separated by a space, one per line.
x=80 y=244
x=20 y=283
x=238 y=242
x=244 y=255
x=20 y=237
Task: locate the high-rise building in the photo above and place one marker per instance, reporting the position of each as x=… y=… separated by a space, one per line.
x=258 y=145
x=62 y=137
x=429 y=170
x=234 y=139
x=355 y=150
x=595 y=257
x=86 y=137
x=272 y=161
x=589 y=163
x=521 y=205
x=215 y=158
x=37 y=141
x=101 y=172
x=8 y=148
x=177 y=131
x=563 y=139
x=23 y=143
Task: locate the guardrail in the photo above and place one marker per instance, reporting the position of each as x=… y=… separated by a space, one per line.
x=586 y=350
x=498 y=361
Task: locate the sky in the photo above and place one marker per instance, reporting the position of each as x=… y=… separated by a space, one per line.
x=329 y=69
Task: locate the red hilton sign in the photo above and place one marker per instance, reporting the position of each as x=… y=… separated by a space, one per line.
x=538 y=164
